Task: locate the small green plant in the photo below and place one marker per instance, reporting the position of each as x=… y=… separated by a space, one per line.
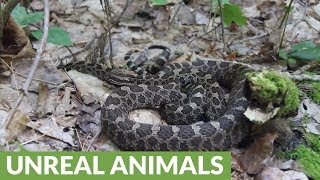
x=233 y=13
x=23 y=18
x=159 y=2
x=56 y=35
x=303 y=51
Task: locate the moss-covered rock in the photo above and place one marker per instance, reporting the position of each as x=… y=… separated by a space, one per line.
x=270 y=87
x=308 y=156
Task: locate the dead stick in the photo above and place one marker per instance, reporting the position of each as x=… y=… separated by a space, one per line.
x=305 y=77
x=34 y=65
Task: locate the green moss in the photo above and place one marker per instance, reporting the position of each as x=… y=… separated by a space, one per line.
x=310 y=73
x=309 y=160
x=275 y=88
x=308 y=156
x=315 y=93
x=313 y=141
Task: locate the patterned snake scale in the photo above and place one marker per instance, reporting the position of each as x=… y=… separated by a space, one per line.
x=202 y=101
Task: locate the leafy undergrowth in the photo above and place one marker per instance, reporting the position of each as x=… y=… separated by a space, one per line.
x=272 y=87
x=56 y=35
x=301 y=53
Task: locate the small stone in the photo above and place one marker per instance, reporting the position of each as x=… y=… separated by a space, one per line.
x=270 y=173
x=288 y=175
x=6 y=73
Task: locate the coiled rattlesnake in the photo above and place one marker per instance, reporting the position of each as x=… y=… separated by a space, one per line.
x=203 y=102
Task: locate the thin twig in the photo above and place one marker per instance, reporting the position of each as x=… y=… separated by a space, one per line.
x=212 y=15
x=251 y=38
x=124 y=10
x=36 y=138
x=12 y=72
x=6 y=64
x=202 y=35
x=86 y=140
x=95 y=137
x=109 y=26
x=285 y=18
x=60 y=60
x=286 y=14
x=221 y=21
x=1 y=25
x=41 y=48
x=79 y=139
x=305 y=68
x=175 y=13
x=34 y=65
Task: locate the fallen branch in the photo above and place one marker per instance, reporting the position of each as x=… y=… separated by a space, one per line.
x=34 y=65
x=304 y=77
x=305 y=68
x=175 y=13
x=107 y=10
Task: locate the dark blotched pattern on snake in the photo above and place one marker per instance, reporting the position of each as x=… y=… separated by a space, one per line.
x=202 y=101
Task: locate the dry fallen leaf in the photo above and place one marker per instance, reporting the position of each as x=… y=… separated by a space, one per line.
x=256 y=115
x=42 y=100
x=15 y=43
x=66 y=105
x=16 y=126
x=46 y=72
x=92 y=89
x=49 y=127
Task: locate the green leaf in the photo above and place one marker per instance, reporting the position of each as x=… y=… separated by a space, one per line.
x=215 y=4
x=159 y=2
x=283 y=55
x=286 y=8
x=303 y=45
x=233 y=13
x=291 y=61
x=56 y=35
x=23 y=18
x=309 y=54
